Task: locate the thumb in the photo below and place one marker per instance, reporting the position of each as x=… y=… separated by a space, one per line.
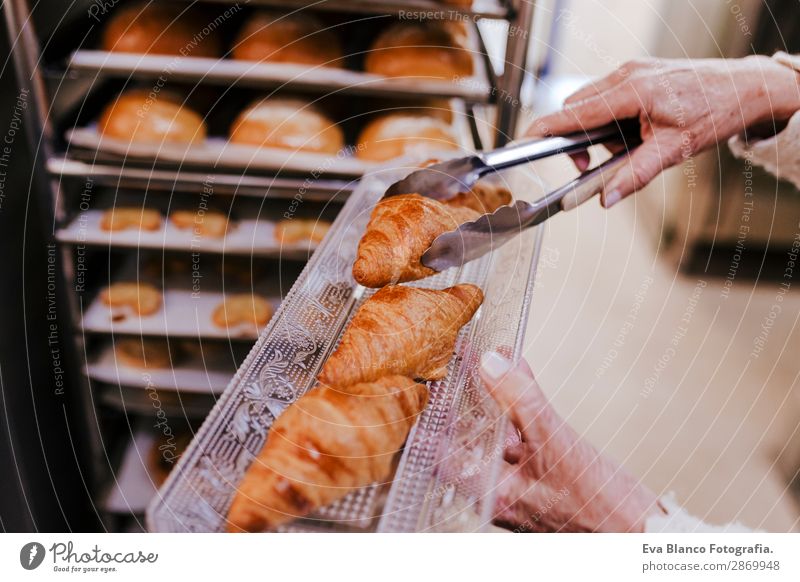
x=516 y=391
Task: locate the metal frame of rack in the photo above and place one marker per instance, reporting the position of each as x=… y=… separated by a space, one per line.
x=503 y=96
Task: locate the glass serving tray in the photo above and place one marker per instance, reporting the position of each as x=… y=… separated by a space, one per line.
x=444 y=480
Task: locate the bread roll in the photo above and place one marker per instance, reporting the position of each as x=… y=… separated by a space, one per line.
x=297 y=230
x=288 y=124
x=160 y=28
x=141 y=298
x=133 y=218
x=404 y=133
x=293 y=38
x=146 y=353
x=210 y=223
x=429 y=49
x=241 y=309
x=139 y=116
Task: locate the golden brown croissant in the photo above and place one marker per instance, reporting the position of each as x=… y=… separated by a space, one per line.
x=399 y=231
x=402 y=330
x=483 y=197
x=327 y=443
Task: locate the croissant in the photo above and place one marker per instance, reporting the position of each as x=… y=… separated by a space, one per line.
x=402 y=330
x=399 y=231
x=327 y=443
x=483 y=197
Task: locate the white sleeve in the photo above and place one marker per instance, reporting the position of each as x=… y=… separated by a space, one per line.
x=777 y=154
x=676 y=520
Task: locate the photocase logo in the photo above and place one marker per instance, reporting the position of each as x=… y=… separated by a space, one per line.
x=31 y=555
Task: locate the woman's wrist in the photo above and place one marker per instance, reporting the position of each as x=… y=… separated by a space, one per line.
x=613 y=500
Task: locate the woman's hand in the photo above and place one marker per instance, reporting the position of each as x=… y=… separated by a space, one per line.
x=684 y=107
x=553 y=480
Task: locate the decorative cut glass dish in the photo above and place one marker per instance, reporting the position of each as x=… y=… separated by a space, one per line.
x=446 y=475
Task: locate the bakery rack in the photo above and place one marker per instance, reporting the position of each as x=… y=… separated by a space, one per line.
x=70 y=81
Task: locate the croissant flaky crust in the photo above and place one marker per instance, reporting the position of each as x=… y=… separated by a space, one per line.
x=483 y=197
x=399 y=231
x=327 y=443
x=402 y=330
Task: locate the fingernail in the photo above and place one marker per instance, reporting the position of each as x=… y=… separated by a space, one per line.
x=494 y=365
x=611 y=198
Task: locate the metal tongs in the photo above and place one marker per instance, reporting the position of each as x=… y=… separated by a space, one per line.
x=471 y=240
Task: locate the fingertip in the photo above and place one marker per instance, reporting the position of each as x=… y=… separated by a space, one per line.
x=494 y=367
x=610 y=198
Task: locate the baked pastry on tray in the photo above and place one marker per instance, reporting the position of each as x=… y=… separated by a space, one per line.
x=402 y=330
x=242 y=309
x=135 y=116
x=296 y=230
x=483 y=197
x=160 y=28
x=146 y=353
x=287 y=38
x=404 y=133
x=130 y=218
x=141 y=298
x=345 y=433
x=399 y=231
x=210 y=223
x=424 y=49
x=329 y=442
x=287 y=123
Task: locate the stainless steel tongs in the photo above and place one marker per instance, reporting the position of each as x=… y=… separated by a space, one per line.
x=489 y=231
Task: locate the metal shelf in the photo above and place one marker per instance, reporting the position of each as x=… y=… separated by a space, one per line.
x=229 y=72
x=52 y=163
x=127 y=176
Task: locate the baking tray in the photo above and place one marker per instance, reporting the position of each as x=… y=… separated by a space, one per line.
x=181 y=315
x=187 y=181
x=228 y=72
x=207 y=372
x=184 y=312
x=218 y=153
x=445 y=476
x=247 y=236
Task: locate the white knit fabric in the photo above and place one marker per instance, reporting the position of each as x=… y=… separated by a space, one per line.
x=778 y=154
x=676 y=520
